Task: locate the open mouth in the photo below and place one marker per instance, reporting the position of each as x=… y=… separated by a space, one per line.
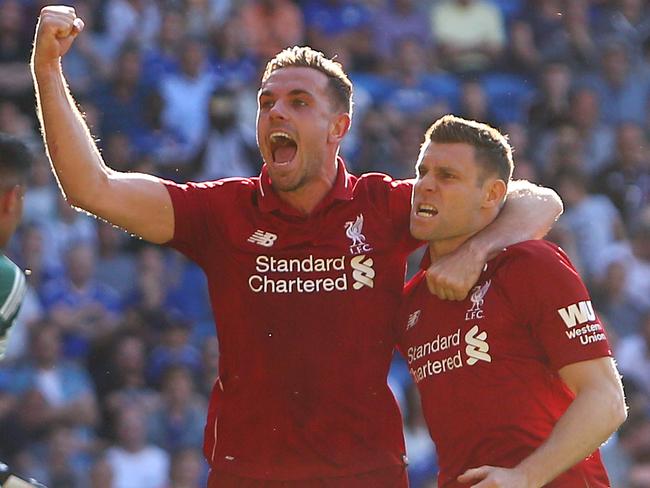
x=426 y=210
x=283 y=147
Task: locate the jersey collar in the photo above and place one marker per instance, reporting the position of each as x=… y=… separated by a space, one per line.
x=270 y=201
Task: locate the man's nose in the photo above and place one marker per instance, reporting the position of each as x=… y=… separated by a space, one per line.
x=427 y=184
x=278 y=111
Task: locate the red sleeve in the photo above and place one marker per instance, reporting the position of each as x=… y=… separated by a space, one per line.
x=549 y=296
x=399 y=207
x=197 y=210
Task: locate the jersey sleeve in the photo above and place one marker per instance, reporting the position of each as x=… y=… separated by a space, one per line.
x=399 y=208
x=549 y=296
x=197 y=209
x=12 y=291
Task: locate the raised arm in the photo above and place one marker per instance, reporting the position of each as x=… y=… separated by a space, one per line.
x=136 y=202
x=596 y=412
x=529 y=213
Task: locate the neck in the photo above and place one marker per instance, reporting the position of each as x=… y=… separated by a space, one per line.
x=442 y=247
x=306 y=198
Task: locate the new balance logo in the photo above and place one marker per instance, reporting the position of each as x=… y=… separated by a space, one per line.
x=363 y=273
x=413 y=319
x=577 y=313
x=477 y=347
x=262 y=238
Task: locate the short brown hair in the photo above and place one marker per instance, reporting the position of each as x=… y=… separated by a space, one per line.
x=492 y=148
x=305 y=57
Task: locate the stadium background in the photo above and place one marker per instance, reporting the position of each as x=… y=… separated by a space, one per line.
x=169 y=87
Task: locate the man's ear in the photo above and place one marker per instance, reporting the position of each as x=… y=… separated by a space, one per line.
x=495 y=192
x=340 y=126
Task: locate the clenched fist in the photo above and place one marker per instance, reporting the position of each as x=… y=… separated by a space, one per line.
x=57 y=27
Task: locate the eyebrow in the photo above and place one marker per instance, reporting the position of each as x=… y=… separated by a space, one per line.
x=293 y=93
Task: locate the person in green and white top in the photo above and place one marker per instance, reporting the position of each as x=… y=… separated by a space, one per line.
x=15 y=164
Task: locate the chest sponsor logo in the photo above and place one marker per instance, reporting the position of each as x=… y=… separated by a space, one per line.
x=413 y=319
x=477 y=297
x=311 y=274
x=363 y=272
x=475 y=347
x=354 y=232
x=266 y=239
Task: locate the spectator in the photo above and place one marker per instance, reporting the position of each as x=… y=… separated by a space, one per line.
x=134 y=462
x=136 y=21
x=550 y=109
x=65 y=387
x=186 y=93
x=532 y=32
x=611 y=297
x=161 y=58
x=188 y=469
x=174 y=349
x=626 y=179
x=226 y=152
x=14 y=54
x=119 y=373
x=120 y=100
x=115 y=264
x=268 y=26
x=333 y=23
x=598 y=137
x=633 y=356
x=101 y=474
x=627 y=21
x=84 y=309
x=397 y=20
x=593 y=219
x=470 y=34
x=179 y=420
x=623 y=92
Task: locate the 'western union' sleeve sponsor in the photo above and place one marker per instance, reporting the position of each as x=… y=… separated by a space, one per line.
x=12 y=292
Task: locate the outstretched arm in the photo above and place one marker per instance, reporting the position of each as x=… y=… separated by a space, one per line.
x=596 y=412
x=529 y=213
x=136 y=202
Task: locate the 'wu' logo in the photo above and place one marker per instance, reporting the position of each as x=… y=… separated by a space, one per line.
x=266 y=239
x=577 y=313
x=354 y=231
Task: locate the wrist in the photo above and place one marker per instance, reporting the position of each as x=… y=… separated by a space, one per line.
x=477 y=248
x=45 y=68
x=532 y=478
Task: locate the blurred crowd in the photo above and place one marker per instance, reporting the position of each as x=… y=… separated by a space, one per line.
x=114 y=354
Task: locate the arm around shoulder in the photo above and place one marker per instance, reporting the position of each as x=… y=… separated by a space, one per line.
x=529 y=213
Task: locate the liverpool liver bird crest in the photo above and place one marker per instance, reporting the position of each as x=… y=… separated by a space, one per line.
x=353 y=231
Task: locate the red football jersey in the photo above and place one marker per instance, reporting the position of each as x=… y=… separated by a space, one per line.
x=304 y=307
x=486 y=367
